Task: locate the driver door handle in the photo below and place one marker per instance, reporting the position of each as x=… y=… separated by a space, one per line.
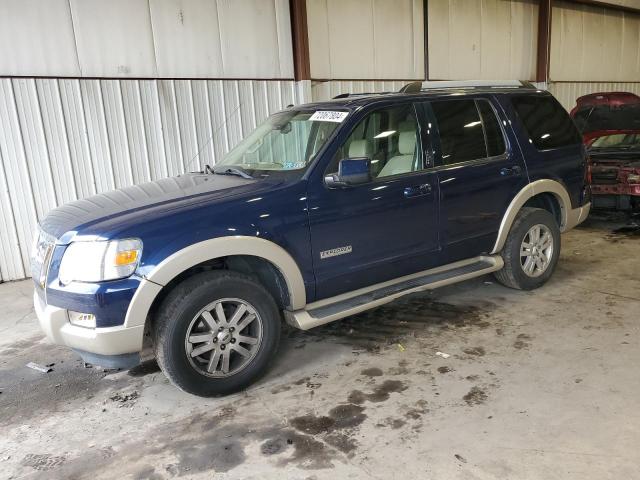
x=418 y=190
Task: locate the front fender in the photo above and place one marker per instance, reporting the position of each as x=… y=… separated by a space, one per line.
x=206 y=250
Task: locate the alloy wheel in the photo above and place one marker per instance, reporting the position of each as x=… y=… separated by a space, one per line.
x=223 y=337
x=536 y=250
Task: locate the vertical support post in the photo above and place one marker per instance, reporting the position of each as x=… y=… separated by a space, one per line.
x=300 y=38
x=544 y=41
x=425 y=15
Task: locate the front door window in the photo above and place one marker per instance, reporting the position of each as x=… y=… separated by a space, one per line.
x=389 y=139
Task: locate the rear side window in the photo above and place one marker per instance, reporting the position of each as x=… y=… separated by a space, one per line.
x=547 y=123
x=469 y=130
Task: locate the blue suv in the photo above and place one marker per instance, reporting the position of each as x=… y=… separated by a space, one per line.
x=324 y=211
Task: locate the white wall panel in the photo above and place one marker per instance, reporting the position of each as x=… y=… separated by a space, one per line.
x=594 y=44
x=114 y=38
x=146 y=38
x=256 y=38
x=624 y=3
x=367 y=39
x=222 y=39
x=327 y=90
x=67 y=139
x=36 y=38
x=568 y=92
x=187 y=37
x=485 y=39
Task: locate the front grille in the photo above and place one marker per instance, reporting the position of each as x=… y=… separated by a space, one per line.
x=41 y=256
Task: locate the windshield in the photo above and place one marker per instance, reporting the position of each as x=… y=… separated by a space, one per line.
x=617 y=140
x=286 y=141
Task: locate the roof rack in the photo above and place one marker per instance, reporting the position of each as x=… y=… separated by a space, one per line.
x=362 y=94
x=416 y=87
x=420 y=86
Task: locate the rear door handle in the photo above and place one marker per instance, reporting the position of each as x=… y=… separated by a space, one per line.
x=416 y=191
x=506 y=171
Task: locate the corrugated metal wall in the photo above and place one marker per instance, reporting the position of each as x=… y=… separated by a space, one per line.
x=326 y=90
x=568 y=92
x=62 y=139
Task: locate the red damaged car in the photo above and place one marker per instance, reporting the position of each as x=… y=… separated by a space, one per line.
x=610 y=126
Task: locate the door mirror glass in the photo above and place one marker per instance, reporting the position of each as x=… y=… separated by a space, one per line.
x=351 y=171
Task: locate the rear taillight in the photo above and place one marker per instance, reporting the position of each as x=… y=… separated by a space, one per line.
x=587 y=172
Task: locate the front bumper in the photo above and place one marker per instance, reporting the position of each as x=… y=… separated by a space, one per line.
x=632 y=190
x=119 y=341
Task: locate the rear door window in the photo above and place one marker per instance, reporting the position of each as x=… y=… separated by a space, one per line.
x=469 y=130
x=547 y=123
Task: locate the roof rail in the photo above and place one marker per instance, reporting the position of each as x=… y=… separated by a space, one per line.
x=474 y=84
x=361 y=94
x=415 y=87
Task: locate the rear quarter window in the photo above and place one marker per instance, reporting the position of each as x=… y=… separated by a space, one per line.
x=547 y=123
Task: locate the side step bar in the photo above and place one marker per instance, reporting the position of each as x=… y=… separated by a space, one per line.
x=334 y=308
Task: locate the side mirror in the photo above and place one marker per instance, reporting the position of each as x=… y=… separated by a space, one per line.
x=351 y=171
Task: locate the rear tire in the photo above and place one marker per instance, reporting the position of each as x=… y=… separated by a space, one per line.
x=531 y=251
x=216 y=333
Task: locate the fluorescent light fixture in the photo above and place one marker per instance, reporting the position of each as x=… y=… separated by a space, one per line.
x=472 y=124
x=385 y=134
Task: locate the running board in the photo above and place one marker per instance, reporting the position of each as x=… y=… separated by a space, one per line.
x=334 y=308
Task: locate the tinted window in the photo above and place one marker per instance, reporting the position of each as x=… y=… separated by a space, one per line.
x=492 y=130
x=469 y=130
x=389 y=137
x=546 y=122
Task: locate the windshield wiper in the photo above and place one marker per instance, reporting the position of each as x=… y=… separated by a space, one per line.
x=231 y=171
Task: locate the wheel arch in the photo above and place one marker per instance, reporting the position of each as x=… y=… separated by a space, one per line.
x=236 y=248
x=544 y=187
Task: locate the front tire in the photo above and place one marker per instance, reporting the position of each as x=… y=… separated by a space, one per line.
x=531 y=251
x=216 y=333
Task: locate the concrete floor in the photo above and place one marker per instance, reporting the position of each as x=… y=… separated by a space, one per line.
x=540 y=384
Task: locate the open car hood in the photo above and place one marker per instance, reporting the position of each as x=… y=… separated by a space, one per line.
x=603 y=118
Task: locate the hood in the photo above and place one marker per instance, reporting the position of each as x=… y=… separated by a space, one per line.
x=611 y=99
x=610 y=119
x=168 y=193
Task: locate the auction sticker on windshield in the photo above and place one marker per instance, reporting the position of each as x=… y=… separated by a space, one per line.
x=328 y=116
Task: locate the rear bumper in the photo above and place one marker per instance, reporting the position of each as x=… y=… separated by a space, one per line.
x=117 y=341
x=576 y=216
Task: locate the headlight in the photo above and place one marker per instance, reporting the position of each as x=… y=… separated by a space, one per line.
x=633 y=178
x=100 y=261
